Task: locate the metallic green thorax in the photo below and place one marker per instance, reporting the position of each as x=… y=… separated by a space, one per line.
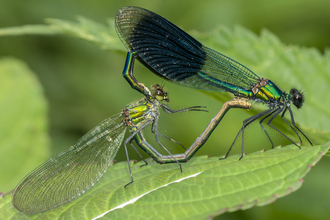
x=265 y=91
x=135 y=112
x=140 y=114
x=137 y=116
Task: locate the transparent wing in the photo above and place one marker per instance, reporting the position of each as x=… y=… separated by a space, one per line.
x=70 y=173
x=173 y=54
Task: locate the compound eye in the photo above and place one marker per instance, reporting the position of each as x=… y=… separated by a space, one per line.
x=293 y=91
x=159 y=92
x=297 y=97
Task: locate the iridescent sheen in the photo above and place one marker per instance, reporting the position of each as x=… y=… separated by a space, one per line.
x=171 y=53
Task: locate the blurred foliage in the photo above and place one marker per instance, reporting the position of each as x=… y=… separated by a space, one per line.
x=78 y=78
x=23 y=118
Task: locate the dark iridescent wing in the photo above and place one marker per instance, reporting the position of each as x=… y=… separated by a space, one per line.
x=70 y=173
x=173 y=54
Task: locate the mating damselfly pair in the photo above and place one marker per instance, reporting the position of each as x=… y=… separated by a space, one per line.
x=174 y=55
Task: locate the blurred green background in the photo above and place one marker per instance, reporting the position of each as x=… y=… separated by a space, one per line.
x=83 y=85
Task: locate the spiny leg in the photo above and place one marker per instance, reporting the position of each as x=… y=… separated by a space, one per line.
x=282 y=116
x=191 y=108
x=129 y=166
x=243 y=128
x=155 y=131
x=294 y=124
x=145 y=162
x=270 y=125
x=127 y=141
x=171 y=111
x=246 y=122
x=262 y=120
x=173 y=141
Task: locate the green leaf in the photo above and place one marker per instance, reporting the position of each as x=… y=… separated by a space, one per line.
x=28 y=29
x=99 y=34
x=23 y=120
x=207 y=187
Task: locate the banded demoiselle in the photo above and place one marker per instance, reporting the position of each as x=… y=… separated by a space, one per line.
x=73 y=171
x=171 y=53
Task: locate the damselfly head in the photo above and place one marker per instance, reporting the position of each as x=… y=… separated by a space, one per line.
x=159 y=93
x=297 y=97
